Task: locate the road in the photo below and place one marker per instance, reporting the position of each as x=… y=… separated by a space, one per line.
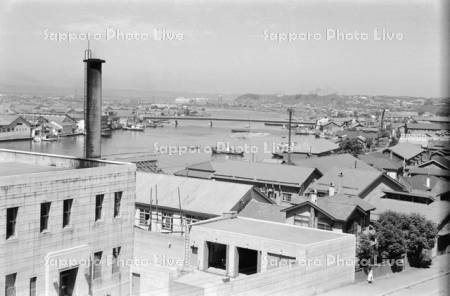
x=435 y=287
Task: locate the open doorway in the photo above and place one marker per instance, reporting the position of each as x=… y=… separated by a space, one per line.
x=248 y=261
x=67 y=280
x=217 y=255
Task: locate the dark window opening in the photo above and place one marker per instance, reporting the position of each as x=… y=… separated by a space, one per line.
x=67 y=210
x=10 y=284
x=33 y=286
x=248 y=261
x=217 y=255
x=115 y=260
x=117 y=200
x=67 y=280
x=97 y=264
x=98 y=206
x=45 y=214
x=11 y=216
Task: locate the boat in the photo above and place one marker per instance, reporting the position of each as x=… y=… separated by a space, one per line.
x=37 y=139
x=240 y=130
x=137 y=128
x=49 y=139
x=273 y=123
x=227 y=151
x=107 y=132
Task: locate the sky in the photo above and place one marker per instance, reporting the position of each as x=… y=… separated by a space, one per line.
x=230 y=46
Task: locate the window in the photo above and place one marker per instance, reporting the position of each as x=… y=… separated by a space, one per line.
x=67 y=209
x=98 y=206
x=97 y=264
x=323 y=225
x=11 y=216
x=167 y=220
x=286 y=197
x=33 y=286
x=192 y=219
x=115 y=260
x=144 y=217
x=10 y=284
x=301 y=220
x=45 y=211
x=117 y=199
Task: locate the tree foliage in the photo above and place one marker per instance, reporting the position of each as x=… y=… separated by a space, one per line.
x=352 y=146
x=399 y=234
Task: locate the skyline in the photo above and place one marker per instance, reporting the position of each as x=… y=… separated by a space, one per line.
x=225 y=49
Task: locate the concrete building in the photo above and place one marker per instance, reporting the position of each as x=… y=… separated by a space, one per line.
x=14 y=127
x=169 y=203
x=256 y=257
x=66 y=225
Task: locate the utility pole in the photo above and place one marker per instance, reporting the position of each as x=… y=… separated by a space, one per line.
x=290 y=111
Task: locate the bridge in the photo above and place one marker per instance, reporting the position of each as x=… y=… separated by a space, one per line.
x=211 y=119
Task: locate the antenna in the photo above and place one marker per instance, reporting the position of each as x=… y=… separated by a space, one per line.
x=88 y=52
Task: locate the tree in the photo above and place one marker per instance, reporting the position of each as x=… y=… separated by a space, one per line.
x=352 y=146
x=399 y=234
x=391 y=243
x=420 y=237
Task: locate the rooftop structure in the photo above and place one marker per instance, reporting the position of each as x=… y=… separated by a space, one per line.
x=251 y=253
x=277 y=181
x=163 y=198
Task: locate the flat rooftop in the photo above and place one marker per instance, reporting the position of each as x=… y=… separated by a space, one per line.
x=15 y=168
x=269 y=230
x=14 y=162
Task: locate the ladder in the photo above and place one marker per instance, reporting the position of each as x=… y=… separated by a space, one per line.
x=187 y=248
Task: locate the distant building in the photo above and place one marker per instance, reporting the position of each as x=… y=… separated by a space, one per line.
x=168 y=204
x=68 y=225
x=339 y=213
x=278 y=182
x=406 y=153
x=14 y=127
x=354 y=182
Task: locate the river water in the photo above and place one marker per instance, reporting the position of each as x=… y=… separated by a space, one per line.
x=174 y=146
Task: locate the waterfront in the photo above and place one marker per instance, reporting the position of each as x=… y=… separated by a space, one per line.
x=194 y=136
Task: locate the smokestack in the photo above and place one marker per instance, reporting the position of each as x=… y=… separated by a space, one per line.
x=93 y=107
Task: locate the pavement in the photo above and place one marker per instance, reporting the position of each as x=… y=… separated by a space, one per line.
x=433 y=281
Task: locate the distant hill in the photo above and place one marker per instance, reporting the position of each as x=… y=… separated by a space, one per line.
x=335 y=99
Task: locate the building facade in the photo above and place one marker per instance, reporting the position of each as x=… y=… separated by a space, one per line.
x=66 y=225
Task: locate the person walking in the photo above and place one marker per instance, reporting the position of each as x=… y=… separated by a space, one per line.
x=370 y=275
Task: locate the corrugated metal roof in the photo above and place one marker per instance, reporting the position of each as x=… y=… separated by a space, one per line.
x=201 y=196
x=262 y=172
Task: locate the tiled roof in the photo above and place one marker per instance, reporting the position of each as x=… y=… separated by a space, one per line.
x=379 y=161
x=406 y=151
x=339 y=206
x=264 y=211
x=338 y=160
x=348 y=181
